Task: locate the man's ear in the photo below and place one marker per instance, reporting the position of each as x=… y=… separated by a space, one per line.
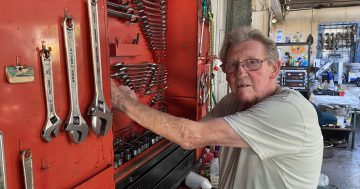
x=275 y=69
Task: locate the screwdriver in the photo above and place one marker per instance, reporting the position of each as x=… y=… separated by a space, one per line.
x=203 y=16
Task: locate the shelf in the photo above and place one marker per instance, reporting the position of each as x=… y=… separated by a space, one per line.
x=295 y=67
x=337 y=129
x=292 y=44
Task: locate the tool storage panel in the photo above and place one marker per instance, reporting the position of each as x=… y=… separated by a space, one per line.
x=35 y=106
x=154 y=49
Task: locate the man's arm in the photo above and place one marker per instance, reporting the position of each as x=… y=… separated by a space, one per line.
x=186 y=133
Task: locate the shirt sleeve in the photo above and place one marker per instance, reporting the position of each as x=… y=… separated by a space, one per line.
x=271 y=127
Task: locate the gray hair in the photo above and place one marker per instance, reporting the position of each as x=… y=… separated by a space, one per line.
x=243 y=34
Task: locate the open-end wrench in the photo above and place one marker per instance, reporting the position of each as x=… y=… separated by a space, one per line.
x=132 y=18
x=101 y=116
x=158 y=37
x=125 y=76
x=139 y=69
x=154 y=4
x=148 y=92
x=156 y=98
x=157 y=47
x=27 y=166
x=155 y=33
x=53 y=121
x=146 y=19
x=156 y=42
x=141 y=6
x=149 y=28
x=154 y=24
x=122 y=8
x=75 y=123
x=155 y=38
x=158 y=83
x=159 y=80
x=121 y=64
x=130 y=74
x=151 y=14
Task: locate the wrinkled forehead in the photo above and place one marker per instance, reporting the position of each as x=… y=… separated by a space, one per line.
x=246 y=50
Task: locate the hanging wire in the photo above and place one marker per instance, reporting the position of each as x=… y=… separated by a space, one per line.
x=312 y=19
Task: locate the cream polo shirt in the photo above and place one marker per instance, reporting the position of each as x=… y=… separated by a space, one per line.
x=285 y=139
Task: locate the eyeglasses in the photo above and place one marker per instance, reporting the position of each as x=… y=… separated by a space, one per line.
x=248 y=65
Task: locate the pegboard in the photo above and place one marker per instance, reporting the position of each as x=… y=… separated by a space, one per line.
x=338 y=40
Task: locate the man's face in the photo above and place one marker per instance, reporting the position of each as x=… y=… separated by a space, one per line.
x=251 y=86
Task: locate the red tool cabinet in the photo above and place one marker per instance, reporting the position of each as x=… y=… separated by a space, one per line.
x=61 y=163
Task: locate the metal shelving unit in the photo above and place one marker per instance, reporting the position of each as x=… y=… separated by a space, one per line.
x=295 y=72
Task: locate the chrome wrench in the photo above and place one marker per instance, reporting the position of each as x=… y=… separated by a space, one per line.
x=75 y=123
x=27 y=166
x=101 y=116
x=3 y=184
x=53 y=121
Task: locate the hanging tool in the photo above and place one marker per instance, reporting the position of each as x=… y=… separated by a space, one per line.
x=74 y=123
x=101 y=116
x=3 y=184
x=203 y=18
x=27 y=165
x=53 y=121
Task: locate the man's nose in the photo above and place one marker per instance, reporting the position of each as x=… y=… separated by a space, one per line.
x=241 y=68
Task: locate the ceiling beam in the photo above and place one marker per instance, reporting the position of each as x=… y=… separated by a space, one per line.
x=276 y=9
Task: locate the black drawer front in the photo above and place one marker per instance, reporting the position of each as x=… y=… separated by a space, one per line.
x=148 y=175
x=132 y=177
x=175 y=177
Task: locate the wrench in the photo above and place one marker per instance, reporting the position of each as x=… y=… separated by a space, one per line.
x=154 y=24
x=148 y=92
x=53 y=120
x=160 y=4
x=150 y=14
x=3 y=184
x=27 y=166
x=141 y=6
x=121 y=64
x=132 y=18
x=122 y=8
x=101 y=116
x=75 y=123
x=152 y=20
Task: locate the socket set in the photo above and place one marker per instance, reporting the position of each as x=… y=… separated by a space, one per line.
x=125 y=151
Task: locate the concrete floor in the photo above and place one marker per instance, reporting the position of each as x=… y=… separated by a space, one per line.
x=343 y=169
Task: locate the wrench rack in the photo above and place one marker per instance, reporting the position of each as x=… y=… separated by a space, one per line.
x=164 y=35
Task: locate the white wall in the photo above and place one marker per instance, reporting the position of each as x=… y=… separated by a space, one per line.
x=260 y=15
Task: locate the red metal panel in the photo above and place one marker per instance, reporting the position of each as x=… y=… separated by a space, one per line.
x=103 y=180
x=182 y=44
x=59 y=163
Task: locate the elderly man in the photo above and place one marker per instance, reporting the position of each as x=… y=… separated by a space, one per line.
x=269 y=135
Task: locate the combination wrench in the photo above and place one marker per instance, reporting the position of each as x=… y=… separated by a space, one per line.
x=27 y=165
x=101 y=116
x=75 y=123
x=53 y=121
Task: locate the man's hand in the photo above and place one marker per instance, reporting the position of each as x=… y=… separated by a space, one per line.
x=120 y=94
